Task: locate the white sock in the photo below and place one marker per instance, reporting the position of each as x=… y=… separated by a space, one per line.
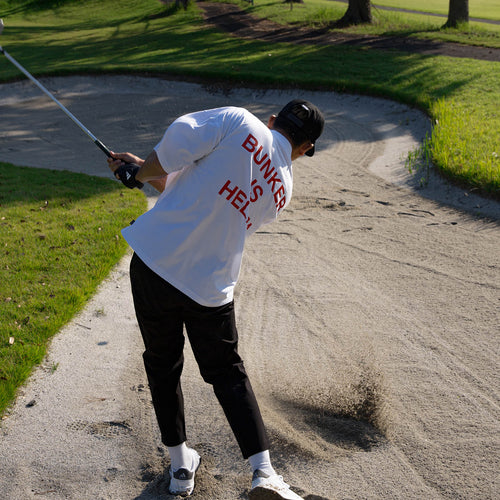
x=181 y=457
x=262 y=461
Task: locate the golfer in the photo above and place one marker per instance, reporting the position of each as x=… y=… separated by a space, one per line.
x=222 y=174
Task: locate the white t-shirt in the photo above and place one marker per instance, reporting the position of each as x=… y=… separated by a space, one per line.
x=228 y=174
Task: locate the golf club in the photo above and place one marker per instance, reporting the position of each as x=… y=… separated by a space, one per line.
x=98 y=143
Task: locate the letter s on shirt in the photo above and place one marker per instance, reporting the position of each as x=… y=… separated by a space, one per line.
x=256 y=192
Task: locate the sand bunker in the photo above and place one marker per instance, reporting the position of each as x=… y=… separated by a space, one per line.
x=368 y=318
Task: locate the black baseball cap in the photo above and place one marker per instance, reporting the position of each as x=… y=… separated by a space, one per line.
x=303 y=120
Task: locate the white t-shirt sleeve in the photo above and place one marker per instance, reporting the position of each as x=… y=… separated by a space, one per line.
x=190 y=138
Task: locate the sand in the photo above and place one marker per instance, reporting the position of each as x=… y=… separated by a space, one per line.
x=368 y=318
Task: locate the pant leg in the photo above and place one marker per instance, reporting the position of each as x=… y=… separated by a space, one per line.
x=159 y=314
x=214 y=339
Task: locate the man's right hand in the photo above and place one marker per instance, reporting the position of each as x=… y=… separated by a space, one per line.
x=118 y=159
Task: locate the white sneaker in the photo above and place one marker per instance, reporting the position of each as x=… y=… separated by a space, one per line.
x=270 y=487
x=182 y=480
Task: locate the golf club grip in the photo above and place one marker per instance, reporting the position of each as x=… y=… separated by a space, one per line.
x=101 y=146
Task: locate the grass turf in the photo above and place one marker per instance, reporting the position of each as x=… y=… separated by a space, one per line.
x=60 y=238
x=482 y=9
x=416 y=24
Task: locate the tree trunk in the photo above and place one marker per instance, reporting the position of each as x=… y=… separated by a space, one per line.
x=358 y=12
x=183 y=3
x=291 y=2
x=458 y=13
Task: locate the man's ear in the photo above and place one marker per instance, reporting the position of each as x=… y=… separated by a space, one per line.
x=270 y=122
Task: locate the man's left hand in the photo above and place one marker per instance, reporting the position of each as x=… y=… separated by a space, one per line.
x=126 y=173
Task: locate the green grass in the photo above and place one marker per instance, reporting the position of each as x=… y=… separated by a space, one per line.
x=60 y=238
x=323 y=13
x=482 y=9
x=57 y=37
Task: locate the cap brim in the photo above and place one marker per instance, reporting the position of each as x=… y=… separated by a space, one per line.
x=310 y=152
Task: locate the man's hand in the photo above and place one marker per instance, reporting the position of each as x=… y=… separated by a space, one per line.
x=150 y=171
x=126 y=173
x=125 y=167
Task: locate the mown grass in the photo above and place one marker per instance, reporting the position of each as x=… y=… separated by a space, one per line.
x=60 y=238
x=483 y=9
x=324 y=13
x=61 y=37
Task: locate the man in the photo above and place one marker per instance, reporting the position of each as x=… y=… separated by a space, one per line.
x=222 y=174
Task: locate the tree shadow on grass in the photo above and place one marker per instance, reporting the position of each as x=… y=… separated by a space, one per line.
x=37 y=6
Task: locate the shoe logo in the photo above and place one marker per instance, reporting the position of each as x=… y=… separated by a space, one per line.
x=183 y=474
x=258 y=473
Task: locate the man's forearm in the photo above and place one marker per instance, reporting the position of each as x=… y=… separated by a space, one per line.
x=152 y=172
x=151 y=169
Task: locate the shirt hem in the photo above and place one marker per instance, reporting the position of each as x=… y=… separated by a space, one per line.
x=186 y=291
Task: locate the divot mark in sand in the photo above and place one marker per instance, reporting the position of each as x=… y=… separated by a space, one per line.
x=317 y=497
x=111 y=474
x=101 y=430
x=353 y=191
x=307 y=202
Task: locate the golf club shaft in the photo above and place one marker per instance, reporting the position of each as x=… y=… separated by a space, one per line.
x=98 y=143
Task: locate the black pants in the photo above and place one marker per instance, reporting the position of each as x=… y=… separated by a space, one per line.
x=162 y=311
